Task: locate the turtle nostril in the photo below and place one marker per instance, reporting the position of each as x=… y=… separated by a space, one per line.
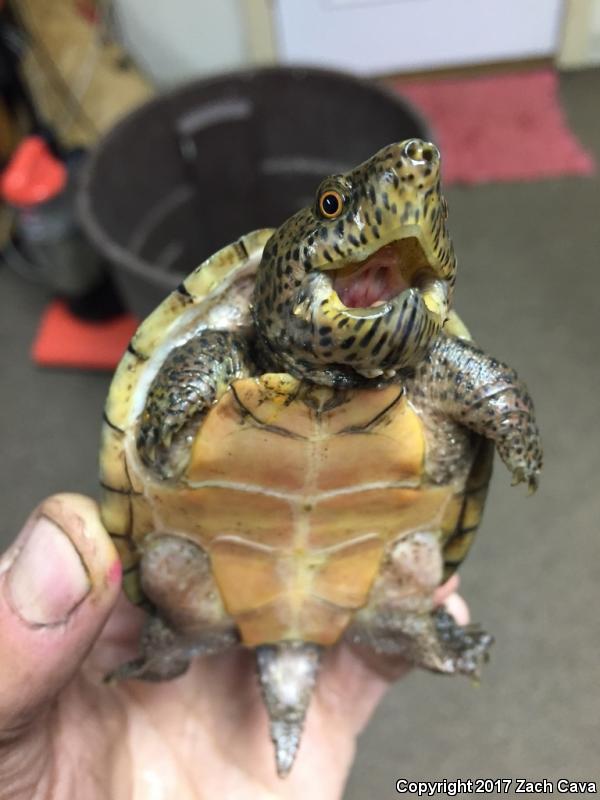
x=431 y=154
x=417 y=150
x=413 y=150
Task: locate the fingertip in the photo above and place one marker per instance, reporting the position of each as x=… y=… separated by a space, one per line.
x=457 y=607
x=78 y=517
x=446 y=589
x=447 y=595
x=62 y=557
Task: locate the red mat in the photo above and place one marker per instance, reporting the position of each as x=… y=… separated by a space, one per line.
x=63 y=340
x=508 y=127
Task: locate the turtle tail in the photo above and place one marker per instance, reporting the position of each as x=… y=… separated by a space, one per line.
x=287 y=672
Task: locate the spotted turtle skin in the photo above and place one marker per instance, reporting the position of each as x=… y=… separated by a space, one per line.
x=297 y=444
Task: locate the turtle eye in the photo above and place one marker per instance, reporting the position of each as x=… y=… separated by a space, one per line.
x=331 y=204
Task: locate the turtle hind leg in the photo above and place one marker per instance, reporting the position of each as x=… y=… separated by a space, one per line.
x=166 y=655
x=287 y=672
x=175 y=576
x=400 y=619
x=434 y=641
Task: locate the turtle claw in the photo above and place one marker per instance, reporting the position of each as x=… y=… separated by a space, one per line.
x=166 y=438
x=530 y=477
x=518 y=476
x=154 y=446
x=146 y=443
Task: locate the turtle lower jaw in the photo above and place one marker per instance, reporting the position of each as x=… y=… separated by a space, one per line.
x=373 y=342
x=329 y=341
x=433 y=293
x=382 y=279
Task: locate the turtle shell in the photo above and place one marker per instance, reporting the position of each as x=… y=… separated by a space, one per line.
x=295 y=491
x=216 y=294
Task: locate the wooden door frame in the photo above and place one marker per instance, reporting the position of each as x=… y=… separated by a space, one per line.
x=573 y=50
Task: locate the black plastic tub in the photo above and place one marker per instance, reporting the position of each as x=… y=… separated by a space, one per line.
x=193 y=169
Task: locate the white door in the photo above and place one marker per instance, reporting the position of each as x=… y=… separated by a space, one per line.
x=383 y=36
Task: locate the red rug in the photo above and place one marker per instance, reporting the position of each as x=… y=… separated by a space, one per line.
x=63 y=340
x=508 y=127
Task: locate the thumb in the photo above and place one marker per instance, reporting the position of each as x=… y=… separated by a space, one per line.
x=58 y=583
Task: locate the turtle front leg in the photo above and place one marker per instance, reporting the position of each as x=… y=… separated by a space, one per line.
x=189 y=382
x=461 y=382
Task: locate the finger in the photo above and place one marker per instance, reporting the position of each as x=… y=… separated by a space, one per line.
x=119 y=641
x=58 y=583
x=353 y=680
x=456 y=606
x=446 y=589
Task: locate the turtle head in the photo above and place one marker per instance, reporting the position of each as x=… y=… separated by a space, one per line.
x=357 y=286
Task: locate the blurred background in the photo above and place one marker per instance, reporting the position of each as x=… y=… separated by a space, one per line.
x=136 y=137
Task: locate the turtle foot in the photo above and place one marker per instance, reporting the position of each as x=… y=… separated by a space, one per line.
x=466 y=647
x=150 y=669
x=287 y=673
x=162 y=656
x=166 y=654
x=434 y=641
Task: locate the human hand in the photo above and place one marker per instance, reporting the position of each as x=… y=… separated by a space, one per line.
x=65 y=734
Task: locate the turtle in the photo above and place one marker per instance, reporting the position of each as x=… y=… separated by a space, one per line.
x=298 y=442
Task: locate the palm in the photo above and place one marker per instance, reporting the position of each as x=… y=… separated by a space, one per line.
x=203 y=735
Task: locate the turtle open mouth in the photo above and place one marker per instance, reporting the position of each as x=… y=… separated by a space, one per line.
x=383 y=275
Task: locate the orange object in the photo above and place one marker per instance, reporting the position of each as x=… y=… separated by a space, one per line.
x=33 y=174
x=63 y=340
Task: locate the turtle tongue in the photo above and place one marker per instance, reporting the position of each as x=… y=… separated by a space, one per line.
x=287 y=673
x=375 y=280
